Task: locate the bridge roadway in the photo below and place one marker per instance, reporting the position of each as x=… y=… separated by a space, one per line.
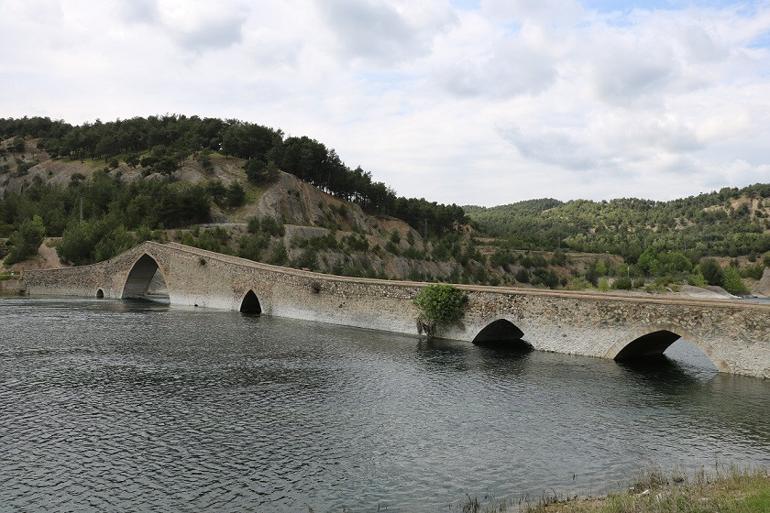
x=734 y=334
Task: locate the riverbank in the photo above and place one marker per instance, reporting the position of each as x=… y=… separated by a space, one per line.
x=731 y=491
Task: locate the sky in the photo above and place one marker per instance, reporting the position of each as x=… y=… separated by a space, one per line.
x=462 y=101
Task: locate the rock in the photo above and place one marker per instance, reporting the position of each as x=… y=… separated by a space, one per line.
x=762 y=287
x=721 y=292
x=704 y=293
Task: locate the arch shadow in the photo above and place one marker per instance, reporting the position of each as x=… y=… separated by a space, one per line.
x=651 y=347
x=502 y=334
x=146 y=281
x=250 y=304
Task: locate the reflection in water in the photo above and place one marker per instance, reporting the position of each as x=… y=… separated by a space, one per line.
x=109 y=405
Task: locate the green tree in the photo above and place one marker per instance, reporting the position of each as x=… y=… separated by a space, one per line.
x=712 y=271
x=439 y=305
x=733 y=283
x=25 y=241
x=235 y=196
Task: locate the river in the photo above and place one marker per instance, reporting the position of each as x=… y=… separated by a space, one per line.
x=122 y=406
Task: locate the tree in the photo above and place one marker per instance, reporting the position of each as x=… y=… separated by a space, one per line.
x=26 y=240
x=235 y=196
x=260 y=173
x=733 y=283
x=712 y=272
x=439 y=306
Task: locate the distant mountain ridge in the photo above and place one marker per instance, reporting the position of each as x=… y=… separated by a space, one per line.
x=729 y=222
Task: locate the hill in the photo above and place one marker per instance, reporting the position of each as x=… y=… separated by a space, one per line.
x=94 y=190
x=731 y=222
x=663 y=240
x=91 y=191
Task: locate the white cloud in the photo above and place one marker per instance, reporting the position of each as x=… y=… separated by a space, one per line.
x=510 y=100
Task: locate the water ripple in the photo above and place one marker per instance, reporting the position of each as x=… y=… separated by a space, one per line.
x=111 y=406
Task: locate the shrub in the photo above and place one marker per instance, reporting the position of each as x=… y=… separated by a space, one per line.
x=578 y=283
x=279 y=255
x=559 y=258
x=733 y=283
x=439 y=305
x=696 y=280
x=712 y=271
x=392 y=248
x=25 y=241
x=273 y=227
x=623 y=283
x=235 y=195
x=251 y=246
x=753 y=271
x=522 y=276
x=259 y=172
x=308 y=259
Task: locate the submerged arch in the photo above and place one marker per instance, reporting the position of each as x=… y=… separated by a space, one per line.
x=146 y=281
x=250 y=304
x=651 y=345
x=654 y=345
x=501 y=333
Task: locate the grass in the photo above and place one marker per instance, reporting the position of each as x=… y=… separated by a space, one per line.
x=725 y=491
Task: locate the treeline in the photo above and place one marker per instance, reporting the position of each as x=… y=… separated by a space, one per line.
x=731 y=222
x=93 y=217
x=161 y=143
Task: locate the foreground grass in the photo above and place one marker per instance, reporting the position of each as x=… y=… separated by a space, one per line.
x=731 y=491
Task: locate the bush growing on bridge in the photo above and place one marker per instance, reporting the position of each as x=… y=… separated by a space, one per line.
x=440 y=305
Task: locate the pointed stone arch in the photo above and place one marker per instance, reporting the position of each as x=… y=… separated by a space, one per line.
x=145 y=280
x=99 y=294
x=250 y=304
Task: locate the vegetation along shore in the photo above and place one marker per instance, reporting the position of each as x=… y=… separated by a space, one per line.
x=724 y=491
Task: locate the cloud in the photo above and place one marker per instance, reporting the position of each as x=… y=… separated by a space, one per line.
x=486 y=103
x=371 y=29
x=201 y=26
x=552 y=12
x=140 y=11
x=551 y=147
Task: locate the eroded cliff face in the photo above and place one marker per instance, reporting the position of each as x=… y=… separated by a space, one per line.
x=762 y=287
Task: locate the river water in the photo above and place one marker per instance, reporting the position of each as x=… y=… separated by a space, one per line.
x=118 y=406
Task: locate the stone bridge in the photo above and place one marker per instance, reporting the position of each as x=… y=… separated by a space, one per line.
x=734 y=334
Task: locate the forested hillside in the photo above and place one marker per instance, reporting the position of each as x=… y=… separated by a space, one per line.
x=731 y=222
x=95 y=190
x=159 y=144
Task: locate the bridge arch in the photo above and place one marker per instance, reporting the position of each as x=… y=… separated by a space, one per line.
x=652 y=343
x=145 y=280
x=99 y=294
x=250 y=304
x=501 y=333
